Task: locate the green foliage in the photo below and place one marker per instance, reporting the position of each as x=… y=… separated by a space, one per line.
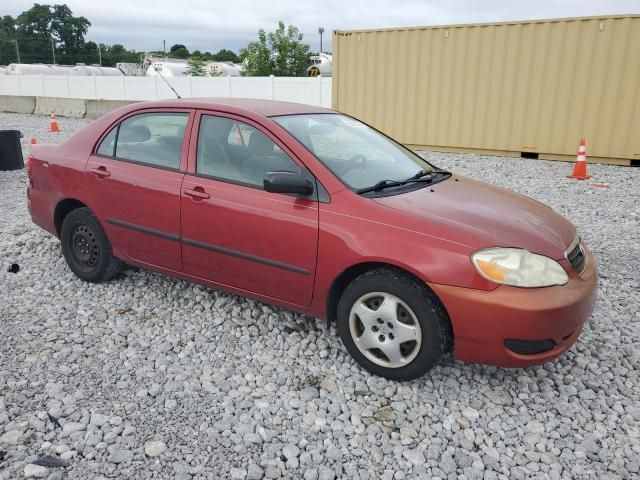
x=257 y=57
x=117 y=53
x=179 y=53
x=225 y=55
x=42 y=25
x=195 y=67
x=175 y=47
x=280 y=53
x=7 y=38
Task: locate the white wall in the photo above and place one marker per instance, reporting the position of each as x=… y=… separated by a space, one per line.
x=312 y=91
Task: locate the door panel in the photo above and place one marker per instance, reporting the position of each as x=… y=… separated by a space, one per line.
x=139 y=207
x=233 y=232
x=246 y=238
x=135 y=181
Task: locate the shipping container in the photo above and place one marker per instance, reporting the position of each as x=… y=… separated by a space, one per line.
x=530 y=88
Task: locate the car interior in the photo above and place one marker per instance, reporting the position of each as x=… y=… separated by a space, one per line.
x=238 y=153
x=137 y=142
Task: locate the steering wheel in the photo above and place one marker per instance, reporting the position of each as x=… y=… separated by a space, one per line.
x=358 y=161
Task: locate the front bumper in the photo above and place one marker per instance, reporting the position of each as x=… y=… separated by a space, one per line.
x=482 y=320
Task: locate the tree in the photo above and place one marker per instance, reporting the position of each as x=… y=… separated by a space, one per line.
x=175 y=47
x=225 y=55
x=68 y=30
x=7 y=40
x=207 y=56
x=195 y=67
x=45 y=30
x=44 y=26
x=257 y=57
x=280 y=53
x=179 y=53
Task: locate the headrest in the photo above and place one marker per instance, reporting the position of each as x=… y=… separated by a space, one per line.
x=216 y=128
x=260 y=143
x=134 y=132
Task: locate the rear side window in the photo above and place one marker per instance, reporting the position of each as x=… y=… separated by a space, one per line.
x=108 y=145
x=150 y=138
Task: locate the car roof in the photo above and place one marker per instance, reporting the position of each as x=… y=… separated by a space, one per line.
x=267 y=108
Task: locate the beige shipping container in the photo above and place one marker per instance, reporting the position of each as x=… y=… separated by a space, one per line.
x=501 y=88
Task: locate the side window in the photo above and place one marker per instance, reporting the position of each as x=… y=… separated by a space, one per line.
x=152 y=138
x=235 y=151
x=108 y=145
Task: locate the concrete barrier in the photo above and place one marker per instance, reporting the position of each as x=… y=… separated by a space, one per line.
x=96 y=108
x=17 y=104
x=65 y=107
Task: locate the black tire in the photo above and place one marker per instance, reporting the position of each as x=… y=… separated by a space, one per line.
x=436 y=335
x=86 y=247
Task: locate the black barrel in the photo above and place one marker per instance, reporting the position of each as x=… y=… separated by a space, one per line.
x=10 y=150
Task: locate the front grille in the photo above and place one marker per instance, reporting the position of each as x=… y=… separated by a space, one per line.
x=577 y=258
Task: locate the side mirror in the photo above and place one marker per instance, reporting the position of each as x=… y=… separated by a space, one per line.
x=287 y=182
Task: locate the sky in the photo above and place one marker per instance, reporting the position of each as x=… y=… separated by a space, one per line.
x=214 y=24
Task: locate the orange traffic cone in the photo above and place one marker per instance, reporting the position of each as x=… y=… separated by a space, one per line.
x=33 y=141
x=53 y=123
x=580 y=167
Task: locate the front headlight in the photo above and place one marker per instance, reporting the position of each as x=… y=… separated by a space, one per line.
x=519 y=268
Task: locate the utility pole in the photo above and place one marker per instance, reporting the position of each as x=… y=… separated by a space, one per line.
x=99 y=55
x=17 y=50
x=320 y=31
x=53 y=51
x=164 y=49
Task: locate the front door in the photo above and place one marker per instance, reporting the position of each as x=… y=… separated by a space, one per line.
x=134 y=179
x=233 y=232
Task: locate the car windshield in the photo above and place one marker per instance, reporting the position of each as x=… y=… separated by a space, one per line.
x=357 y=154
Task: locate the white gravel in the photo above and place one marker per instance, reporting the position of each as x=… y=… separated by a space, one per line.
x=151 y=377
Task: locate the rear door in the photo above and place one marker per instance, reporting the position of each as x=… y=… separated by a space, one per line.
x=233 y=232
x=135 y=178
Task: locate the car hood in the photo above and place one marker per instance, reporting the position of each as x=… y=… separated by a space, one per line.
x=481 y=216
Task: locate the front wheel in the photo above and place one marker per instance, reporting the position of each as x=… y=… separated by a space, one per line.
x=392 y=324
x=86 y=247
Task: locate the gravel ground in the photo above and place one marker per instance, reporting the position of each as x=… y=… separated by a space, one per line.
x=151 y=377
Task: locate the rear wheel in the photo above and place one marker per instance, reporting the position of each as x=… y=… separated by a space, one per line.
x=86 y=247
x=393 y=325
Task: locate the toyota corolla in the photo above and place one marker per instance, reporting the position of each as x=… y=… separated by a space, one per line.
x=317 y=212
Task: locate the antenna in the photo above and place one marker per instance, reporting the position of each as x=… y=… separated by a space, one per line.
x=165 y=80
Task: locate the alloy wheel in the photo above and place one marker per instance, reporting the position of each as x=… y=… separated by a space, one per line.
x=385 y=329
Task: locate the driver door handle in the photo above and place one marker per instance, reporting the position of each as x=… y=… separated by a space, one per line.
x=197 y=193
x=100 y=172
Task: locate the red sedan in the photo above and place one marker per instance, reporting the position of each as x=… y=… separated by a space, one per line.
x=317 y=212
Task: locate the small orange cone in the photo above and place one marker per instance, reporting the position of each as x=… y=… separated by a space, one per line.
x=580 y=167
x=53 y=123
x=33 y=141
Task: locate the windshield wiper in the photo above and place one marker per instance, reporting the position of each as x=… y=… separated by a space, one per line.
x=418 y=177
x=424 y=173
x=381 y=185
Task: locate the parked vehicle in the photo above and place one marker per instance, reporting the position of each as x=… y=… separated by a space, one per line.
x=315 y=211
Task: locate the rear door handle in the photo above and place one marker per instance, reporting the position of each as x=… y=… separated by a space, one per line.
x=196 y=193
x=100 y=172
